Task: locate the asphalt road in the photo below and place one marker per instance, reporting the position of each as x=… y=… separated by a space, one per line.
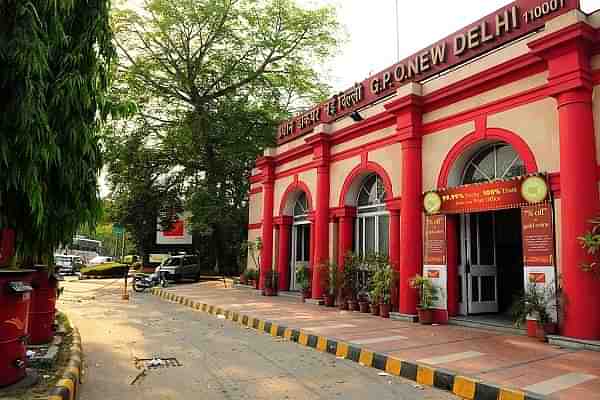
x=219 y=360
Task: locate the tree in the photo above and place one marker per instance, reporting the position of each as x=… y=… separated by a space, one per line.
x=144 y=189
x=55 y=69
x=212 y=78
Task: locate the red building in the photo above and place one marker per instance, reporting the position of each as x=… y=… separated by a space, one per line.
x=473 y=162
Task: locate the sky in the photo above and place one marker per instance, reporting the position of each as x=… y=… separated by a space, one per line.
x=370 y=43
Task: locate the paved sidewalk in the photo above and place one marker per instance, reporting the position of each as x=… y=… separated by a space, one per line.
x=502 y=359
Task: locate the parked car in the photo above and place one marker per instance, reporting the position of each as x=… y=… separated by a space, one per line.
x=100 y=260
x=180 y=267
x=67 y=264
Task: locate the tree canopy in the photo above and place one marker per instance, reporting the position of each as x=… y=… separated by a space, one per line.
x=212 y=78
x=55 y=70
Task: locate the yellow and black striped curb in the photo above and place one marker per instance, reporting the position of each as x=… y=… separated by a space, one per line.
x=67 y=387
x=465 y=387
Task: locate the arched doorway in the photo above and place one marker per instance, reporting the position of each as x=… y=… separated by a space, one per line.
x=300 y=244
x=490 y=269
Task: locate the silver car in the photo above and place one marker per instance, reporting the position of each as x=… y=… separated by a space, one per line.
x=176 y=268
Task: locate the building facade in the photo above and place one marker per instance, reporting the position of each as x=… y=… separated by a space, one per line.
x=473 y=162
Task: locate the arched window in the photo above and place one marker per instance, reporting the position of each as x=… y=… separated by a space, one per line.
x=372 y=223
x=301 y=208
x=493 y=162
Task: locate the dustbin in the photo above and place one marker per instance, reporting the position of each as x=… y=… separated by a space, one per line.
x=15 y=300
x=43 y=303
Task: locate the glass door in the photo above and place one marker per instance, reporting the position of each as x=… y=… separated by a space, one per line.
x=478 y=269
x=300 y=250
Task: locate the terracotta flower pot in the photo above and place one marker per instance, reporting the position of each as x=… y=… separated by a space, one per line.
x=343 y=304
x=352 y=305
x=425 y=316
x=374 y=309
x=540 y=334
x=269 y=292
x=363 y=306
x=329 y=300
x=243 y=280
x=384 y=310
x=550 y=328
x=306 y=293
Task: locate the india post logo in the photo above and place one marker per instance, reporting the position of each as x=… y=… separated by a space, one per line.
x=432 y=202
x=534 y=189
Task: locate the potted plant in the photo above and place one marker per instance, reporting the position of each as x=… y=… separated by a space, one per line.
x=535 y=306
x=427 y=296
x=253 y=248
x=374 y=297
x=303 y=280
x=333 y=283
x=244 y=278
x=271 y=283
x=383 y=281
x=351 y=283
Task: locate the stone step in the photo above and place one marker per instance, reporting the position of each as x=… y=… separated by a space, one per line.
x=572 y=343
x=487 y=324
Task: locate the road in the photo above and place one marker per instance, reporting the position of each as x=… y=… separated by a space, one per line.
x=219 y=359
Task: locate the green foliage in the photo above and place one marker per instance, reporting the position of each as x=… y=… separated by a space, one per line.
x=591 y=242
x=352 y=263
x=143 y=189
x=251 y=274
x=536 y=301
x=55 y=70
x=302 y=276
x=253 y=249
x=383 y=279
x=428 y=293
x=211 y=79
x=111 y=269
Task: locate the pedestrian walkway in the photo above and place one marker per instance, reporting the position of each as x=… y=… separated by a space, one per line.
x=502 y=359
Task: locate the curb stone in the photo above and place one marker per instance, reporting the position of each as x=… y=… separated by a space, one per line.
x=462 y=386
x=67 y=387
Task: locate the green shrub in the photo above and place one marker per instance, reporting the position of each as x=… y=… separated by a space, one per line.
x=111 y=269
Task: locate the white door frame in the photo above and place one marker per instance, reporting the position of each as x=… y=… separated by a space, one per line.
x=473 y=270
x=294 y=259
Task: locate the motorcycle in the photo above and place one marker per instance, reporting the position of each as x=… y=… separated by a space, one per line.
x=141 y=282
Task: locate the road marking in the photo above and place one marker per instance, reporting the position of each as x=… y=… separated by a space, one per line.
x=451 y=357
x=561 y=382
x=327 y=327
x=379 y=340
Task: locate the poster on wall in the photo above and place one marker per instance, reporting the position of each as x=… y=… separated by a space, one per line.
x=177 y=235
x=436 y=256
x=538 y=247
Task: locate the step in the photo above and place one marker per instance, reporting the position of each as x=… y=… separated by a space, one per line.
x=403 y=317
x=572 y=343
x=293 y=295
x=488 y=325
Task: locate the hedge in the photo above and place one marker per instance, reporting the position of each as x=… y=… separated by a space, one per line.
x=111 y=269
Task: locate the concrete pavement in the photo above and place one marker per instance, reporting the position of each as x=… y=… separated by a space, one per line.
x=220 y=360
x=502 y=359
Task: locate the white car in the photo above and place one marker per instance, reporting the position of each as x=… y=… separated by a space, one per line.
x=67 y=264
x=100 y=260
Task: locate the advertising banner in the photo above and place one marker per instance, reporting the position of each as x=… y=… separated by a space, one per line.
x=538 y=247
x=488 y=196
x=177 y=235
x=436 y=257
x=509 y=23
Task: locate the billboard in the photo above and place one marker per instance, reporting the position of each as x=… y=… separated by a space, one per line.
x=177 y=235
